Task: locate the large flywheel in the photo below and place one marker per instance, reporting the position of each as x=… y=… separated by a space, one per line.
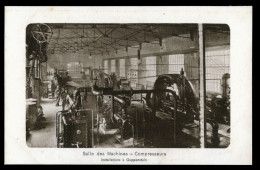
x=41 y=33
x=186 y=98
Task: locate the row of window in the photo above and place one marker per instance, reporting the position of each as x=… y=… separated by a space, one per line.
x=217 y=64
x=150 y=63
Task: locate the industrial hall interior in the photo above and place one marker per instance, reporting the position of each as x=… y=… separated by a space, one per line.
x=127 y=85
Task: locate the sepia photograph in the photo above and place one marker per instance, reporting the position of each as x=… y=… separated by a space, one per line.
x=128 y=85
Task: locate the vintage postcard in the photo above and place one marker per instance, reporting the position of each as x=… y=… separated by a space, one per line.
x=128 y=85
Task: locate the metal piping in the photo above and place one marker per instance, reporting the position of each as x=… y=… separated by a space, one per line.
x=131 y=92
x=119 y=99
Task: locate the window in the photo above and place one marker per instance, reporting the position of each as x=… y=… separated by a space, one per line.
x=150 y=69
x=122 y=67
x=113 y=66
x=176 y=63
x=74 y=69
x=134 y=64
x=217 y=64
x=106 y=66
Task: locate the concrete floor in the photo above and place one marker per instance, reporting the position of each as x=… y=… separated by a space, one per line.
x=46 y=137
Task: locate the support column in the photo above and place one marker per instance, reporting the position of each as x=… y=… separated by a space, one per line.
x=203 y=127
x=127 y=67
x=142 y=73
x=158 y=67
x=117 y=68
x=191 y=67
x=163 y=65
x=109 y=66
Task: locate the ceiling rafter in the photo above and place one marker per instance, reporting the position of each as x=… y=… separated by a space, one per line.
x=117 y=37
